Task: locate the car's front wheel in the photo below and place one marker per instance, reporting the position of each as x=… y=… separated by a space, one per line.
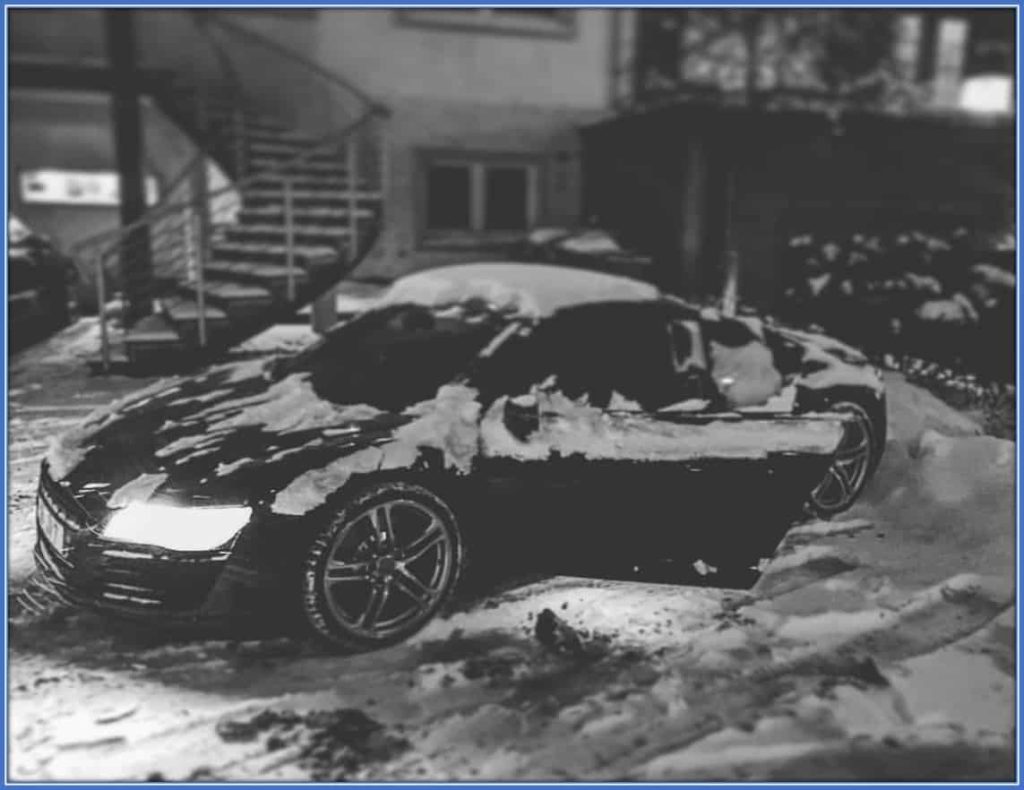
x=382 y=566
x=854 y=461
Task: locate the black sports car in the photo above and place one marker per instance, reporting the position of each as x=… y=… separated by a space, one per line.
x=476 y=407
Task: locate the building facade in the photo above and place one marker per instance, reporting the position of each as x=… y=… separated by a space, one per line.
x=487 y=108
x=484 y=107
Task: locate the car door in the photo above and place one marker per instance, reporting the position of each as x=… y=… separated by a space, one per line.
x=570 y=434
x=764 y=457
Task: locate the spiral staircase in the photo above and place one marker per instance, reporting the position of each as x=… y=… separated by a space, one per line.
x=278 y=206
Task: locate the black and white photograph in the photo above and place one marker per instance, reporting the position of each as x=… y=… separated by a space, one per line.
x=521 y=393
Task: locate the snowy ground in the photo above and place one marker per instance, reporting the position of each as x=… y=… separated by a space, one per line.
x=879 y=646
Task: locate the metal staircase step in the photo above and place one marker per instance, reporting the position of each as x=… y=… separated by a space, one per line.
x=269 y=276
x=305 y=216
x=183 y=310
x=239 y=300
x=309 y=234
x=151 y=333
x=257 y=134
x=308 y=182
x=183 y=313
x=284 y=151
x=228 y=291
x=305 y=254
x=312 y=167
x=276 y=148
x=305 y=197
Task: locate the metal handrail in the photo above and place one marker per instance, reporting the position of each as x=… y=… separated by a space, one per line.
x=375 y=109
x=197 y=226
x=166 y=209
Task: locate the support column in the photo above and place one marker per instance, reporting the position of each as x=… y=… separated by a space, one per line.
x=136 y=263
x=695 y=188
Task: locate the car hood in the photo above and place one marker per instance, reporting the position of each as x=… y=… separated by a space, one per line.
x=228 y=436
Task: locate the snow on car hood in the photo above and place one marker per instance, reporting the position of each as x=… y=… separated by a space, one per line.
x=222 y=435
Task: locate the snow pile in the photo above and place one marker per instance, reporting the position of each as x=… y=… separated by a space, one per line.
x=140 y=489
x=746 y=374
x=568 y=427
x=532 y=290
x=436 y=291
x=448 y=423
x=837 y=348
x=278 y=339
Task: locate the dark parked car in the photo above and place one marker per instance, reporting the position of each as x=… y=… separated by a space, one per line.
x=39 y=282
x=476 y=407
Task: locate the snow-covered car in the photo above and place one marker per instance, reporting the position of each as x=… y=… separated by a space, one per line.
x=475 y=406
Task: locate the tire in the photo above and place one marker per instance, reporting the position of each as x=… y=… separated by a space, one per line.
x=382 y=567
x=856 y=460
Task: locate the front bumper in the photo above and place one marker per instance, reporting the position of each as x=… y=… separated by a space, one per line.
x=147 y=582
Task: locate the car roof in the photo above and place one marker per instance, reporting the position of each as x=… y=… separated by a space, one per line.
x=533 y=289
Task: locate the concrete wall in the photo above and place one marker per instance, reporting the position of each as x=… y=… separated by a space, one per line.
x=391 y=59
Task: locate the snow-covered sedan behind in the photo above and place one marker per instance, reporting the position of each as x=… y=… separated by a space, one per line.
x=475 y=406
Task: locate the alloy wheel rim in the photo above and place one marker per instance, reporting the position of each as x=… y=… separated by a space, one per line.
x=849 y=470
x=388 y=567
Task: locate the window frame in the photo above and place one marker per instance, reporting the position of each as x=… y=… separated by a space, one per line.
x=495 y=21
x=477 y=235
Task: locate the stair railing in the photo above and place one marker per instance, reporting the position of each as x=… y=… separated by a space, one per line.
x=200 y=202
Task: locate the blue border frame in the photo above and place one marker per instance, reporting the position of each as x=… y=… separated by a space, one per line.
x=380 y=3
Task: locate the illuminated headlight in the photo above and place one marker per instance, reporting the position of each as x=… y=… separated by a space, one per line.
x=175 y=527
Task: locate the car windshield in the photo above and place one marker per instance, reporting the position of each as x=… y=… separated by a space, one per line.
x=395 y=356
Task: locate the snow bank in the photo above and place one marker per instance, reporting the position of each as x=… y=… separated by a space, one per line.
x=912 y=410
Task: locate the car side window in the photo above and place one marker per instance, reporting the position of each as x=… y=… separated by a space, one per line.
x=598 y=351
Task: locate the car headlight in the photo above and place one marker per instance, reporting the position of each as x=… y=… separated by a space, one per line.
x=179 y=528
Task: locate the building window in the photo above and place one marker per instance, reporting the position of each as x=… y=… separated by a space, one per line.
x=78 y=188
x=478 y=199
x=547 y=22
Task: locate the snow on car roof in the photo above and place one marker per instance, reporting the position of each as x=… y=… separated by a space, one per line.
x=529 y=288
